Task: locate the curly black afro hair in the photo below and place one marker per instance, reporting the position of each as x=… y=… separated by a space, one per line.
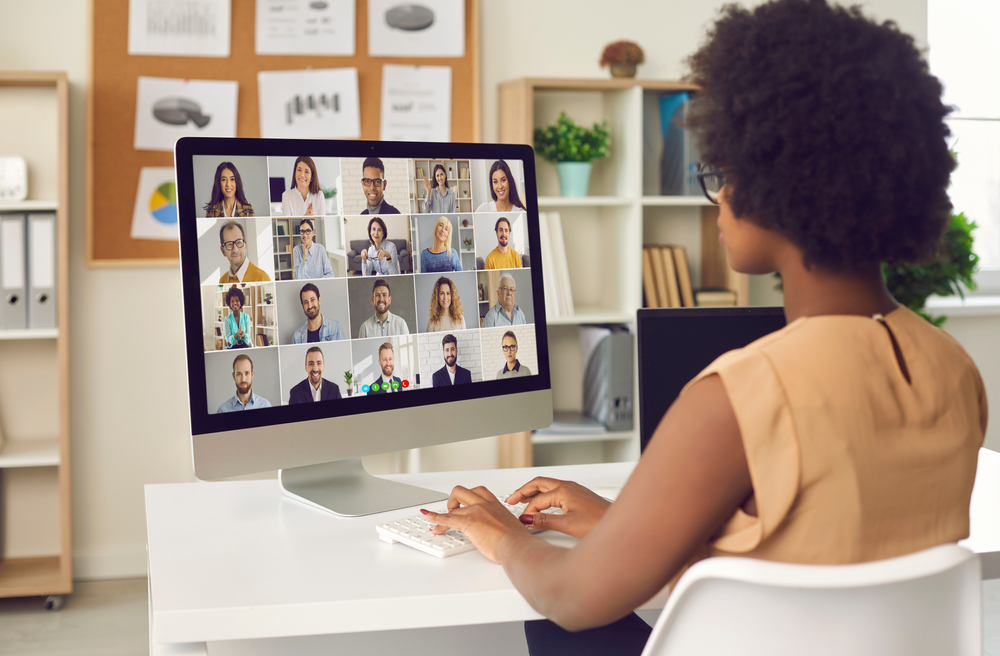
x=830 y=128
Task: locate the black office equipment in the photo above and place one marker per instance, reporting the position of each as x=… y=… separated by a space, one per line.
x=675 y=344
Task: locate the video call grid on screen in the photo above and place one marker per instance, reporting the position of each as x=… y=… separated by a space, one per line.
x=279 y=285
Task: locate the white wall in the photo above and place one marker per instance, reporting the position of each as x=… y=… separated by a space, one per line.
x=129 y=412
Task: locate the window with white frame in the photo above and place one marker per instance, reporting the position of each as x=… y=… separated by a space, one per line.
x=964 y=53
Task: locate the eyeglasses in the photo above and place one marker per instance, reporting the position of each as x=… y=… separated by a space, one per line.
x=239 y=243
x=504 y=290
x=305 y=232
x=378 y=182
x=510 y=348
x=712 y=181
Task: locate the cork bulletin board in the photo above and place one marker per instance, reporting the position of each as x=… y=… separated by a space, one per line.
x=113 y=166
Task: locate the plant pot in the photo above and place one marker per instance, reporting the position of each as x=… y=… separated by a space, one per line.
x=331 y=205
x=623 y=70
x=574 y=178
x=349 y=391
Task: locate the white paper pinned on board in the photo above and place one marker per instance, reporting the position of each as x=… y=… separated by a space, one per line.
x=416 y=103
x=167 y=109
x=305 y=27
x=155 y=213
x=310 y=104
x=192 y=28
x=416 y=28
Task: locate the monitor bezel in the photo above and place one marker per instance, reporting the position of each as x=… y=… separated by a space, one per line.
x=202 y=422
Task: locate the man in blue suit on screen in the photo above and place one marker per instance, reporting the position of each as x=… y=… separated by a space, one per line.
x=315 y=387
x=451 y=373
x=386 y=383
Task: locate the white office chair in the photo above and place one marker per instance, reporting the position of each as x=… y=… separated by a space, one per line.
x=923 y=604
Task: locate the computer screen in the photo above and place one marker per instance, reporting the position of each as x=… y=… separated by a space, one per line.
x=386 y=280
x=675 y=345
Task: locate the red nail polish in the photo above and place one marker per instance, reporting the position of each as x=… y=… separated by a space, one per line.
x=426 y=512
x=527 y=519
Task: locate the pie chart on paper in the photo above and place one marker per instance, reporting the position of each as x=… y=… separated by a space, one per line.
x=163 y=204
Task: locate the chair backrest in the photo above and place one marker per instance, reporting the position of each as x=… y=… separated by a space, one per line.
x=923 y=604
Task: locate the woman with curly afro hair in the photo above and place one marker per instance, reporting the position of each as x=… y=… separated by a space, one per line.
x=852 y=434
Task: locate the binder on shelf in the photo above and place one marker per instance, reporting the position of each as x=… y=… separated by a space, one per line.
x=660 y=276
x=673 y=291
x=13 y=270
x=42 y=270
x=548 y=271
x=648 y=282
x=683 y=276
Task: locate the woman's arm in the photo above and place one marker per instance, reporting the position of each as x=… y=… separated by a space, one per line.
x=456 y=259
x=227 y=331
x=298 y=263
x=325 y=259
x=691 y=479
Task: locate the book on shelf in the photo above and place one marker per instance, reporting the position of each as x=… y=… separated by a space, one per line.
x=670 y=269
x=716 y=297
x=548 y=271
x=555 y=251
x=420 y=172
x=463 y=173
x=666 y=277
x=659 y=277
x=648 y=283
x=262 y=339
x=683 y=276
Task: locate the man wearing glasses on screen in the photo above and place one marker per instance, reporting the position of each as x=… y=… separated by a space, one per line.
x=505 y=312
x=233 y=244
x=373 y=184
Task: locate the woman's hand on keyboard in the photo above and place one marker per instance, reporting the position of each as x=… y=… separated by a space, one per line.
x=480 y=517
x=581 y=508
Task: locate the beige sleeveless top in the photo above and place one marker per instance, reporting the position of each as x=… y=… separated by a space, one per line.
x=849 y=461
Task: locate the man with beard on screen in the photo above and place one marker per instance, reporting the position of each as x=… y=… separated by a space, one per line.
x=386 y=382
x=245 y=399
x=314 y=387
x=503 y=256
x=317 y=328
x=451 y=373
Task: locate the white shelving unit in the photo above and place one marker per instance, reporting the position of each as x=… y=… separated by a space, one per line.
x=605 y=232
x=36 y=556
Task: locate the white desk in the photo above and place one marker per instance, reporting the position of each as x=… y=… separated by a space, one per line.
x=239 y=561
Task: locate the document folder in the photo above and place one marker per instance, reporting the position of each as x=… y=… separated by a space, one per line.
x=13 y=305
x=42 y=270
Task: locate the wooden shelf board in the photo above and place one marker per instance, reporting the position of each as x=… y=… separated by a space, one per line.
x=30 y=333
x=565 y=438
x=30 y=206
x=583 y=201
x=609 y=84
x=29 y=453
x=31 y=577
x=676 y=201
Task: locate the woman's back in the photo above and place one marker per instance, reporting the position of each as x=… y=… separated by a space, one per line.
x=850 y=461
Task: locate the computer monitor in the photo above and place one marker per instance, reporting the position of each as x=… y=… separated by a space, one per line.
x=415 y=317
x=676 y=344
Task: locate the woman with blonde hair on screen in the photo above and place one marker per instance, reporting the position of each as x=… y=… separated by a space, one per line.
x=446 y=307
x=440 y=256
x=850 y=435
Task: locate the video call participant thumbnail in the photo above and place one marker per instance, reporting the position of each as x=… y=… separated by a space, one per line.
x=317 y=328
x=503 y=256
x=314 y=387
x=505 y=312
x=380 y=258
x=383 y=323
x=305 y=198
x=374 y=184
x=441 y=256
x=513 y=368
x=386 y=383
x=440 y=198
x=233 y=244
x=446 y=307
x=244 y=399
x=236 y=329
x=228 y=199
x=310 y=259
x=503 y=189
x=450 y=373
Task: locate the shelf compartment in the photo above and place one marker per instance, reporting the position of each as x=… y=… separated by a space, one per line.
x=31 y=577
x=30 y=333
x=29 y=453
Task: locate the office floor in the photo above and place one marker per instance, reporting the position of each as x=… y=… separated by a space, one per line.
x=110 y=618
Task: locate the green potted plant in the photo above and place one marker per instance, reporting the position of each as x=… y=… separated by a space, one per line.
x=622 y=57
x=268 y=298
x=467 y=242
x=330 y=194
x=573 y=149
x=348 y=378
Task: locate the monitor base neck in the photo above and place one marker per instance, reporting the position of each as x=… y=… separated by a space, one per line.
x=344 y=488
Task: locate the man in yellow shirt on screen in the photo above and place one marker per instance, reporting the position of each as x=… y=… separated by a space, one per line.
x=503 y=256
x=233 y=244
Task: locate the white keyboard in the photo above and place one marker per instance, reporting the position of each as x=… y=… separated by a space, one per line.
x=416 y=532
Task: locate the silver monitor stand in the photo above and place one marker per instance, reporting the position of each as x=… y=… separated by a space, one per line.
x=344 y=488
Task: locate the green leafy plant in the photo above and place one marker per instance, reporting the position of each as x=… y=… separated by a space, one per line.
x=329 y=192
x=622 y=52
x=268 y=298
x=348 y=377
x=565 y=141
x=952 y=267
x=467 y=242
